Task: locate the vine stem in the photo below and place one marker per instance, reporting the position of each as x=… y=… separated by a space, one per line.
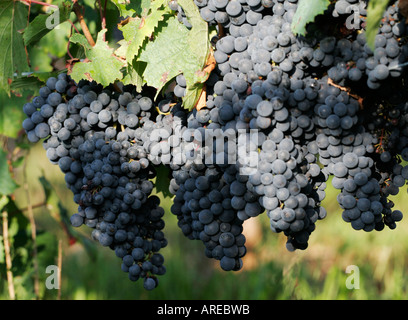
x=103 y=18
x=6 y=242
x=29 y=2
x=33 y=231
x=104 y=11
x=73 y=26
x=358 y=98
x=85 y=29
x=116 y=87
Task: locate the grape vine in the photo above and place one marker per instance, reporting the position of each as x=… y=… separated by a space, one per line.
x=253 y=105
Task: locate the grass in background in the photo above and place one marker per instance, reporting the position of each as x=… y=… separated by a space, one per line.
x=269 y=272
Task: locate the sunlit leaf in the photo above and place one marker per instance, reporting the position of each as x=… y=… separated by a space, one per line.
x=306 y=12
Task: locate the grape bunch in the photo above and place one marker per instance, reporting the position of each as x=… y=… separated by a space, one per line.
x=95 y=136
x=284 y=116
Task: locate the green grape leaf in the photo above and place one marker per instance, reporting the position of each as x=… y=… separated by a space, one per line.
x=375 y=12
x=129 y=8
x=199 y=45
x=22 y=84
x=306 y=12
x=121 y=50
x=178 y=50
x=81 y=40
x=44 y=23
x=100 y=65
x=24 y=88
x=168 y=55
x=134 y=75
x=13 y=19
x=136 y=30
x=198 y=35
x=7 y=185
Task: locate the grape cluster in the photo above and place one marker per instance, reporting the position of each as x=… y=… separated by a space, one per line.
x=95 y=136
x=315 y=93
x=203 y=204
x=284 y=115
x=374 y=65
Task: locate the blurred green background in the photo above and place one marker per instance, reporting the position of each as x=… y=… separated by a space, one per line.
x=269 y=272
